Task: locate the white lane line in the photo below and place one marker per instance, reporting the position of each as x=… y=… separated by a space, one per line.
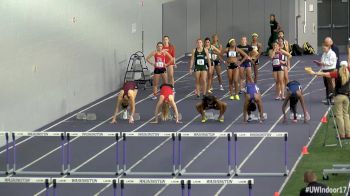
x=301 y=156
x=60 y=122
x=215 y=139
x=59 y=147
x=73 y=115
x=260 y=142
x=160 y=145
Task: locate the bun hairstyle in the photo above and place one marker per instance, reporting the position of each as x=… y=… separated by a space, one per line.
x=251 y=106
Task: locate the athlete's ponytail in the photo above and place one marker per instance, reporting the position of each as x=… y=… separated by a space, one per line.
x=344 y=72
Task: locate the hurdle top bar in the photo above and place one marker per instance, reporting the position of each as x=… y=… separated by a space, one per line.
x=24 y=180
x=205 y=134
x=261 y=134
x=221 y=181
x=37 y=134
x=92 y=134
x=3 y=133
x=150 y=181
x=148 y=134
x=85 y=180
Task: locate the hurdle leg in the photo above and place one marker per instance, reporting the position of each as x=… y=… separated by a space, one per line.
x=115 y=187
x=182 y=188
x=250 y=187
x=47 y=187
x=7 y=154
x=54 y=185
x=14 y=153
x=124 y=155
x=173 y=137
x=229 y=155
x=117 y=152
x=235 y=155
x=68 y=154
x=62 y=154
x=286 y=155
x=189 y=188
x=179 y=154
x=122 y=187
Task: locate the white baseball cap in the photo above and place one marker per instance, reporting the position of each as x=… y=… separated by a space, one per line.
x=344 y=63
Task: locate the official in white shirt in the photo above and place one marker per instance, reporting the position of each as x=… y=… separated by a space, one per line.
x=328 y=64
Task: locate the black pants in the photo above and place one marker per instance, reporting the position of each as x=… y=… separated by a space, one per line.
x=328 y=83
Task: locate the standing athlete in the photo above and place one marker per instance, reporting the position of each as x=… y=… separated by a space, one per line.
x=170 y=48
x=216 y=59
x=200 y=59
x=159 y=66
x=255 y=54
x=246 y=65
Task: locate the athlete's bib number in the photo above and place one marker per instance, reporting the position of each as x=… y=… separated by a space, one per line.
x=200 y=61
x=214 y=56
x=276 y=62
x=232 y=54
x=255 y=48
x=160 y=64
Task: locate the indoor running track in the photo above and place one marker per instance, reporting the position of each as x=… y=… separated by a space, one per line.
x=199 y=155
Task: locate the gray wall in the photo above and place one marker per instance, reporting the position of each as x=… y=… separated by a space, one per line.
x=181 y=22
x=51 y=66
x=310 y=35
x=237 y=18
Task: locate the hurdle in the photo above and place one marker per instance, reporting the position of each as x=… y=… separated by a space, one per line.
x=115 y=135
x=25 y=180
x=184 y=182
x=205 y=135
x=37 y=134
x=336 y=169
x=171 y=135
x=123 y=182
x=7 y=170
x=283 y=135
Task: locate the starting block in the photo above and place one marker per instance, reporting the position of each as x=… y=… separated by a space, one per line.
x=86 y=116
x=252 y=117
x=172 y=116
x=126 y=116
x=299 y=116
x=212 y=116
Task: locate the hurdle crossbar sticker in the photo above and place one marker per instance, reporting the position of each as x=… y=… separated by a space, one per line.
x=151 y=181
x=38 y=134
x=205 y=134
x=92 y=134
x=85 y=180
x=221 y=181
x=148 y=134
x=260 y=134
x=22 y=180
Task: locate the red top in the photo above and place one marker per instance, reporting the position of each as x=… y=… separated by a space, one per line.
x=159 y=59
x=129 y=86
x=166 y=91
x=334 y=74
x=171 y=50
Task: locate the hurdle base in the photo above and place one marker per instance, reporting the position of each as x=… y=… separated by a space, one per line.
x=184 y=173
x=135 y=173
x=262 y=174
x=95 y=173
x=6 y=172
x=56 y=173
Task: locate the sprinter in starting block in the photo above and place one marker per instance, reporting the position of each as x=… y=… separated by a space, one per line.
x=125 y=99
x=166 y=100
x=211 y=102
x=252 y=98
x=294 y=94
